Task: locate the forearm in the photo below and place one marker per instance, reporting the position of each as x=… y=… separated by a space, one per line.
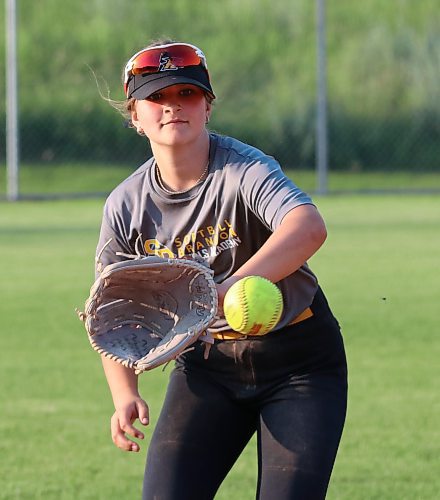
x=128 y=405
x=122 y=381
x=299 y=236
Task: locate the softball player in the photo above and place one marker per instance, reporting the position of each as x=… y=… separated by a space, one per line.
x=213 y=196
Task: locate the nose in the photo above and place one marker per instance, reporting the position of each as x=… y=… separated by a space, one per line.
x=172 y=102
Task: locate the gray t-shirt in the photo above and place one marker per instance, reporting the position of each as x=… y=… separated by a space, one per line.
x=225 y=219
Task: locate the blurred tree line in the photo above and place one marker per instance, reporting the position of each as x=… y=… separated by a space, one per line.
x=383 y=72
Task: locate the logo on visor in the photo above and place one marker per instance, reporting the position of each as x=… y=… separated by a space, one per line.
x=165 y=63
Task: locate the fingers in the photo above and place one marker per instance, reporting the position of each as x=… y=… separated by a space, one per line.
x=122 y=427
x=143 y=412
x=119 y=431
x=222 y=289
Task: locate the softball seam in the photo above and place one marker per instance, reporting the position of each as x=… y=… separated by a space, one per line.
x=275 y=318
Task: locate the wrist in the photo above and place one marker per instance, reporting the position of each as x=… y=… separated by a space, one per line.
x=124 y=398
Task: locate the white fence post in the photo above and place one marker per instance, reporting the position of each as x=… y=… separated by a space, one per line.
x=11 y=101
x=321 y=101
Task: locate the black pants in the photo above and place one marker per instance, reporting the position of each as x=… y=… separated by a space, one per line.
x=289 y=386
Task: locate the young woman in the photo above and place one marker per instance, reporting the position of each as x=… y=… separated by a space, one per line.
x=229 y=203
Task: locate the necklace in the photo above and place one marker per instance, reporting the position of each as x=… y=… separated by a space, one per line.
x=170 y=191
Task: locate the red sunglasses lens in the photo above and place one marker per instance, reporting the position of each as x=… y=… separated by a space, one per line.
x=161 y=59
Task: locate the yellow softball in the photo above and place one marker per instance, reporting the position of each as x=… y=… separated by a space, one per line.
x=253 y=305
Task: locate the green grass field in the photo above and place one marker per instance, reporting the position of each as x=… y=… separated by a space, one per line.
x=380 y=270
x=51 y=179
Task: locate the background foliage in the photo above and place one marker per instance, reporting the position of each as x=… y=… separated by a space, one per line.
x=383 y=71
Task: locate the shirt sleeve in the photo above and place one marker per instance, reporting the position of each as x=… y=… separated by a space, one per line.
x=113 y=242
x=269 y=193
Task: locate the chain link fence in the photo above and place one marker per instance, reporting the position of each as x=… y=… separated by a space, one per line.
x=383 y=68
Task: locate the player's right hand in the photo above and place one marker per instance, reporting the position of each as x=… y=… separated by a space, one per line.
x=122 y=423
x=222 y=288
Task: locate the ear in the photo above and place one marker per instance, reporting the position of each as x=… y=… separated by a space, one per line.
x=134 y=117
x=208 y=111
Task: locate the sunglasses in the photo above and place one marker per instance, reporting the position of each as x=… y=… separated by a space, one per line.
x=167 y=57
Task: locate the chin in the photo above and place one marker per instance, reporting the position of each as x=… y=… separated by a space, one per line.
x=179 y=139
